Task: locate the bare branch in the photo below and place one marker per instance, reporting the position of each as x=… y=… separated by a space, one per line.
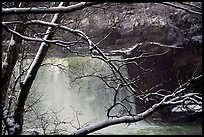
x=40 y=10
x=180 y=7
x=191 y=5
x=167 y=100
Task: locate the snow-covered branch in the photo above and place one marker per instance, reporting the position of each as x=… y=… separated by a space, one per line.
x=40 y=10
x=166 y=100
x=49 y=30
x=36 y=39
x=191 y=5
x=126 y=93
x=31 y=73
x=181 y=7
x=81 y=34
x=138 y=45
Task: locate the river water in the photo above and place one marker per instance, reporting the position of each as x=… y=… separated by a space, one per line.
x=151 y=129
x=63 y=96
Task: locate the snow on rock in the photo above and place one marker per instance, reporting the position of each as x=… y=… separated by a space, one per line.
x=180 y=108
x=197 y=39
x=30 y=132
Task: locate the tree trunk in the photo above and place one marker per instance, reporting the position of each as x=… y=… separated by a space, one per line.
x=31 y=74
x=12 y=55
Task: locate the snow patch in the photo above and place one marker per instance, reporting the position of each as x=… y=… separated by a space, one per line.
x=197 y=39
x=14 y=127
x=30 y=132
x=5 y=112
x=10 y=121
x=180 y=108
x=85 y=22
x=12 y=42
x=5 y=63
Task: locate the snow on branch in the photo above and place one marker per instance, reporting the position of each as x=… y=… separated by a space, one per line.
x=41 y=47
x=181 y=7
x=50 y=24
x=166 y=100
x=138 y=45
x=9 y=122
x=81 y=34
x=36 y=39
x=40 y=10
x=191 y=5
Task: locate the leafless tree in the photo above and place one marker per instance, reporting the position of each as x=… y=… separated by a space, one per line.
x=14 y=95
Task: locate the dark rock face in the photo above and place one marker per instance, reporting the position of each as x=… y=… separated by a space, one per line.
x=140 y=23
x=168 y=71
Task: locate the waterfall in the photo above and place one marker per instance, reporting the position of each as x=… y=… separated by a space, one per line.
x=72 y=98
x=67 y=103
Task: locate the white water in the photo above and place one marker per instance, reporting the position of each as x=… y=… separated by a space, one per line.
x=72 y=102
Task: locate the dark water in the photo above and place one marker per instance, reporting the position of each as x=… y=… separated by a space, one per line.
x=179 y=129
x=170 y=129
